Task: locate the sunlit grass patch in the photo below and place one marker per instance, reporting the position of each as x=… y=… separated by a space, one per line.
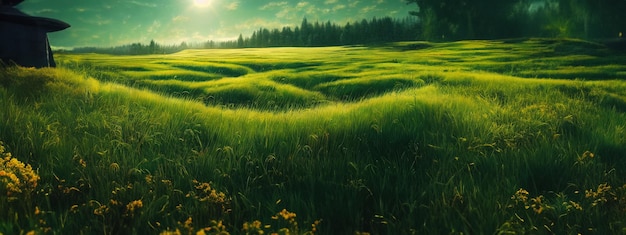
x=359 y=88
x=223 y=69
x=182 y=75
x=606 y=72
x=307 y=80
x=476 y=147
x=261 y=93
x=25 y=82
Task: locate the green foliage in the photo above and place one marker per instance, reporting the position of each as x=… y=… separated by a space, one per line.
x=437 y=139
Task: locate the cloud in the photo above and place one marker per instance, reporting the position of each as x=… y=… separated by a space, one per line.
x=291 y=12
x=156 y=25
x=233 y=6
x=302 y=5
x=143 y=4
x=181 y=19
x=136 y=28
x=368 y=9
x=45 y=11
x=103 y=22
x=256 y=23
x=328 y=2
x=96 y=20
x=339 y=7
x=354 y=3
x=273 y=5
x=307 y=8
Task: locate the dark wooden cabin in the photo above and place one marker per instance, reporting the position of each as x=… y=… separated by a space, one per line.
x=24 y=38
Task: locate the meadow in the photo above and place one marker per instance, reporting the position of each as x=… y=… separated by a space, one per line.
x=470 y=137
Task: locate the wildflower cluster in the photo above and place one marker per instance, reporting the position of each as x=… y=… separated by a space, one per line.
x=537 y=204
x=15 y=176
x=100 y=209
x=520 y=197
x=205 y=193
x=131 y=207
x=290 y=218
x=572 y=205
x=602 y=195
x=207 y=199
x=285 y=223
x=286 y=215
x=254 y=227
x=314 y=226
x=561 y=212
x=216 y=227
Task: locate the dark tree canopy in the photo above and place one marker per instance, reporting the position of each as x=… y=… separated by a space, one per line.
x=464 y=19
x=475 y=19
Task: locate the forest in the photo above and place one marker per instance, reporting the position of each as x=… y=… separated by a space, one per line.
x=490 y=19
x=452 y=20
x=429 y=20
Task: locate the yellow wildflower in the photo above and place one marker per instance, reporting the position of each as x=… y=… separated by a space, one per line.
x=74 y=208
x=208 y=194
x=114 y=167
x=15 y=176
x=601 y=195
x=537 y=204
x=574 y=205
x=101 y=210
x=287 y=215
x=314 y=226
x=177 y=232
x=132 y=206
x=188 y=223
x=521 y=196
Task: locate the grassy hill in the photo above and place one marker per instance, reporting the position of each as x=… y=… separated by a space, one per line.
x=475 y=137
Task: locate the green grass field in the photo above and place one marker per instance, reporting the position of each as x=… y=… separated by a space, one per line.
x=470 y=137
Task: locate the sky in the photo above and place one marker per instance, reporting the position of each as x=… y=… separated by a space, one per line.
x=118 y=22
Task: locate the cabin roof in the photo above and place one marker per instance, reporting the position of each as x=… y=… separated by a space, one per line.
x=10 y=14
x=11 y=2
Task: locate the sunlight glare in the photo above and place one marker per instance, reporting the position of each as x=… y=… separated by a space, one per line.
x=201 y=3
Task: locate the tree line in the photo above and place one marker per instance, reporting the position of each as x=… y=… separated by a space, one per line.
x=136 y=49
x=376 y=30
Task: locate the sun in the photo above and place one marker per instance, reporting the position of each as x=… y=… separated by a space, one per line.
x=201 y=3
